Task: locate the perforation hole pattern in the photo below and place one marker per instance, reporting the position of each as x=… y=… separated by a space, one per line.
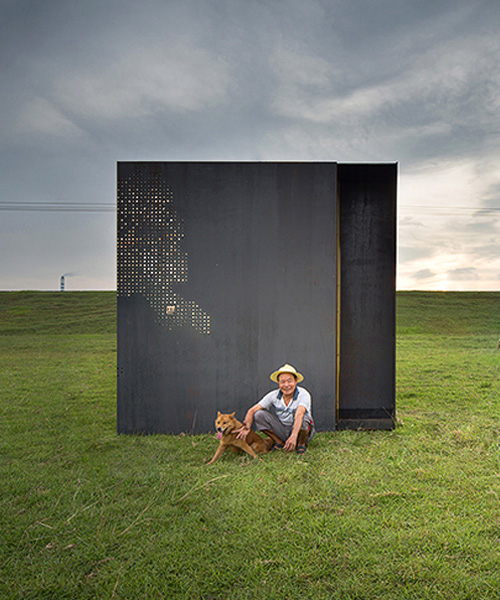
x=150 y=254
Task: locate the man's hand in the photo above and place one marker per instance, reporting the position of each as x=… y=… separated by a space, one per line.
x=242 y=432
x=291 y=443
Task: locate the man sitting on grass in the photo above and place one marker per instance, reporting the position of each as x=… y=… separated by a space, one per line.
x=284 y=414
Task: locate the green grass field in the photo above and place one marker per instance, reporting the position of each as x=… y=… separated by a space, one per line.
x=409 y=514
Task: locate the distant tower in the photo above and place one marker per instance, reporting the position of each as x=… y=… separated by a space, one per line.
x=62 y=283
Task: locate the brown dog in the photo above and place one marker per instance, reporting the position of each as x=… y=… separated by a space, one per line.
x=225 y=425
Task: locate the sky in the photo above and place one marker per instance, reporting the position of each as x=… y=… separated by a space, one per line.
x=86 y=84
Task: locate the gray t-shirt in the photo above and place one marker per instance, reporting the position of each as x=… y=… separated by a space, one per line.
x=273 y=401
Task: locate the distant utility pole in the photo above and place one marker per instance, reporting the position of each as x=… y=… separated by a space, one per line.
x=62 y=283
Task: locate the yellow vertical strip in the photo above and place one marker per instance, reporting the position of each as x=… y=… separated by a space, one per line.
x=337 y=315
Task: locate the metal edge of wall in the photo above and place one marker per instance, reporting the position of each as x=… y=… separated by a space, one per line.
x=337 y=308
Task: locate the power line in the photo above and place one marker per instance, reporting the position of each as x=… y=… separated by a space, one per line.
x=59 y=206
x=452 y=209
x=111 y=207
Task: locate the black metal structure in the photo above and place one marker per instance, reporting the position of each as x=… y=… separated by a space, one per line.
x=228 y=270
x=366 y=338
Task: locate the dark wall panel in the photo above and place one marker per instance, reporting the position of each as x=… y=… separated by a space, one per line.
x=367 y=197
x=225 y=272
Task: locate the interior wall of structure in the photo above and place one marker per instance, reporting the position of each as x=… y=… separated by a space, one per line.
x=367 y=298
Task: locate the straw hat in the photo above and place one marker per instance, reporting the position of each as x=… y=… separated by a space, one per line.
x=286 y=369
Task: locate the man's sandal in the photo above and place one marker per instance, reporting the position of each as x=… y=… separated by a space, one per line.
x=301 y=449
x=277 y=446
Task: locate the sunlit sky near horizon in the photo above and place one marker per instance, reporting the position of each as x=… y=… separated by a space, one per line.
x=87 y=84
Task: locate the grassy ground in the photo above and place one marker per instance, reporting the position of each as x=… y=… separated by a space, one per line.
x=84 y=513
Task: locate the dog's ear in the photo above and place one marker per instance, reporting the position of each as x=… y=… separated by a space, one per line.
x=218 y=413
x=232 y=414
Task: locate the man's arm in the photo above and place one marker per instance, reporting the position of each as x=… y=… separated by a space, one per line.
x=291 y=442
x=247 y=422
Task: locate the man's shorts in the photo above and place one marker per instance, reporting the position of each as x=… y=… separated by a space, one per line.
x=264 y=419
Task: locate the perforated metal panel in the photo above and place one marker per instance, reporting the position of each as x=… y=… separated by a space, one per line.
x=150 y=254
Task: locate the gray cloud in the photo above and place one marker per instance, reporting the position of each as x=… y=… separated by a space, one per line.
x=492 y=196
x=487 y=251
x=411 y=253
x=424 y=274
x=87 y=84
x=463 y=274
x=180 y=78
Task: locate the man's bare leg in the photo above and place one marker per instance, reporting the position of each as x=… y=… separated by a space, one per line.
x=302 y=437
x=301 y=441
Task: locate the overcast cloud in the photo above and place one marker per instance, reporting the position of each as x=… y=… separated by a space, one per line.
x=87 y=84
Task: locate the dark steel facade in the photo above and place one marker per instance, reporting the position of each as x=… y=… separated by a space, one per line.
x=366 y=299
x=228 y=270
